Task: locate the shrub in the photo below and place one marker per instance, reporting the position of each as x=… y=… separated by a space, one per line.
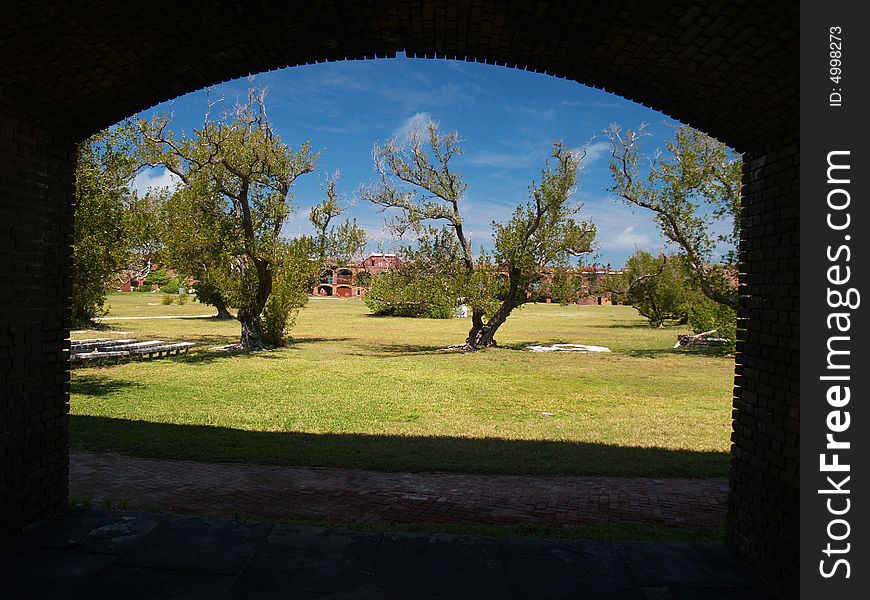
x=181 y=299
x=290 y=284
x=171 y=287
x=706 y=315
x=167 y=299
x=157 y=277
x=405 y=293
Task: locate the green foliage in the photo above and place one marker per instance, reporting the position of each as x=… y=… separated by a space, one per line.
x=364 y=279
x=431 y=281
x=544 y=233
x=403 y=293
x=706 y=315
x=293 y=273
x=336 y=245
x=224 y=226
x=658 y=287
x=172 y=286
x=690 y=189
x=181 y=299
x=663 y=289
x=159 y=277
x=566 y=285
x=200 y=239
x=104 y=233
x=167 y=299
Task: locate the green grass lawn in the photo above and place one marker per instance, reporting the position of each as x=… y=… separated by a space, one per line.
x=356 y=390
x=136 y=304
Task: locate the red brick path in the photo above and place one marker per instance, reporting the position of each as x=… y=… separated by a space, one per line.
x=350 y=495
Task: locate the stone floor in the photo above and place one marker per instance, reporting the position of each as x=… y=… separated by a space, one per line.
x=92 y=554
x=353 y=495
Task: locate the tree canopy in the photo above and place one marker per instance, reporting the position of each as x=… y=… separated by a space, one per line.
x=419 y=184
x=238 y=176
x=111 y=223
x=336 y=244
x=692 y=189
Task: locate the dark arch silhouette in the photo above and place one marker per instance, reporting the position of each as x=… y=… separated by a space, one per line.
x=729 y=68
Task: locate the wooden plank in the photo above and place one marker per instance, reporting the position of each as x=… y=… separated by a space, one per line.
x=134 y=345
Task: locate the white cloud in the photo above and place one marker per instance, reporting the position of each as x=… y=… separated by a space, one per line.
x=154 y=178
x=501 y=160
x=594 y=151
x=593 y=104
x=417 y=122
x=531 y=111
x=629 y=238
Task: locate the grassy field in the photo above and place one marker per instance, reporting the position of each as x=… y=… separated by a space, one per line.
x=356 y=390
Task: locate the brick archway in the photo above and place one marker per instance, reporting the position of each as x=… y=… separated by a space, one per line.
x=727 y=67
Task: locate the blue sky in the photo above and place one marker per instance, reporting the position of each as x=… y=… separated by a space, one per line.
x=506 y=118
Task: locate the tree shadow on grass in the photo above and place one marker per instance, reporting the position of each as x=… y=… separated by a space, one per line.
x=301 y=341
x=393 y=350
x=397 y=453
x=650 y=352
x=94 y=385
x=707 y=351
x=208 y=353
x=674 y=328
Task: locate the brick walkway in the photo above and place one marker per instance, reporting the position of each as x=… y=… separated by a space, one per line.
x=350 y=495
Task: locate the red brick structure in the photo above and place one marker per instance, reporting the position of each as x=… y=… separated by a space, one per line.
x=346 y=281
x=727 y=67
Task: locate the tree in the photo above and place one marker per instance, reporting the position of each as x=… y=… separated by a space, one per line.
x=541 y=234
x=428 y=282
x=293 y=273
x=689 y=189
x=656 y=286
x=200 y=240
x=249 y=173
x=419 y=181
x=664 y=288
x=336 y=245
x=105 y=231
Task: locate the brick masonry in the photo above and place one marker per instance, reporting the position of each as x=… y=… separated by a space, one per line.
x=729 y=67
x=763 y=510
x=36 y=176
x=359 y=496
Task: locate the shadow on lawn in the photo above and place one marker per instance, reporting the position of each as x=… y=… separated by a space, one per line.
x=299 y=341
x=389 y=452
x=393 y=350
x=206 y=353
x=674 y=328
x=710 y=351
x=93 y=385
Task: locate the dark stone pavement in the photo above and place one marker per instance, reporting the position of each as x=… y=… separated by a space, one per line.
x=95 y=554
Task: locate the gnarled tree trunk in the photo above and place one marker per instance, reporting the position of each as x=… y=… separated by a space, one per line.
x=483 y=335
x=252 y=331
x=221 y=307
x=252 y=337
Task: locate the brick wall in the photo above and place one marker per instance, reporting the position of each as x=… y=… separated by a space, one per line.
x=763 y=509
x=36 y=175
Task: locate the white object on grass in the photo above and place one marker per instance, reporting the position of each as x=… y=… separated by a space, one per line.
x=568 y=348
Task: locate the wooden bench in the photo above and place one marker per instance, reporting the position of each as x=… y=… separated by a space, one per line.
x=100 y=357
x=164 y=349
x=100 y=351
x=130 y=345
x=92 y=345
